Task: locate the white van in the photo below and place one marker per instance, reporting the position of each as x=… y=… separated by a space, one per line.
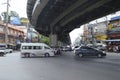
x=36 y=49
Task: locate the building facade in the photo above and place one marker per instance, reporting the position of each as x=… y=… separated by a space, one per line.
x=95 y=33
x=15 y=35
x=113 y=34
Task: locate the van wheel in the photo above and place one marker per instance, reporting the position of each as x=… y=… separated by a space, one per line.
x=27 y=55
x=46 y=54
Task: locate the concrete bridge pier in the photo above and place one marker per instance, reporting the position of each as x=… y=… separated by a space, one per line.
x=53 y=40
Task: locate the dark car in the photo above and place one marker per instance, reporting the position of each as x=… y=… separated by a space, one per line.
x=88 y=51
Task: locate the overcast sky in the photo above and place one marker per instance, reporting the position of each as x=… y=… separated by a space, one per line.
x=15 y=5
x=20 y=7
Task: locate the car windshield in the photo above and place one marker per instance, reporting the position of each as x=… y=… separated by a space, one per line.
x=2 y=47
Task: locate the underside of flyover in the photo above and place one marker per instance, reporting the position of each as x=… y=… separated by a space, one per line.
x=62 y=16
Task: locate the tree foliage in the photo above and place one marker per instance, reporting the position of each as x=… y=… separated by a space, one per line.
x=14 y=13
x=4 y=15
x=44 y=39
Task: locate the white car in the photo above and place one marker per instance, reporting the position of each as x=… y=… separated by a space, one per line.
x=2 y=52
x=9 y=50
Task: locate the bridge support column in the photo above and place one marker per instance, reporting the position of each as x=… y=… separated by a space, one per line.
x=53 y=40
x=60 y=43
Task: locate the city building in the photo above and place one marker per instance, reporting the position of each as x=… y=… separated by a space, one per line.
x=113 y=33
x=31 y=35
x=114 y=28
x=15 y=35
x=95 y=33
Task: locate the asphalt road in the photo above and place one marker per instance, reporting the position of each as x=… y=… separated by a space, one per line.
x=65 y=67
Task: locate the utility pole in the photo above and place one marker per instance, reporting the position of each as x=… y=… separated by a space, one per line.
x=92 y=34
x=6 y=29
x=31 y=32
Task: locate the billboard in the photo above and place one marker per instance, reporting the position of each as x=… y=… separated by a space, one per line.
x=15 y=20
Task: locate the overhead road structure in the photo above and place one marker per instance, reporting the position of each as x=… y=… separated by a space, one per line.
x=59 y=17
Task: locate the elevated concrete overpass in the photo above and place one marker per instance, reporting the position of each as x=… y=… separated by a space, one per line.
x=56 y=18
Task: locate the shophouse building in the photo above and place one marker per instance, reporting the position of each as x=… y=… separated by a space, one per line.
x=15 y=35
x=113 y=33
x=95 y=33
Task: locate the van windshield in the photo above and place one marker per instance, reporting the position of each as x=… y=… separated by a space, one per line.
x=46 y=47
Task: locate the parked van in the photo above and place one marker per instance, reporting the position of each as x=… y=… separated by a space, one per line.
x=36 y=49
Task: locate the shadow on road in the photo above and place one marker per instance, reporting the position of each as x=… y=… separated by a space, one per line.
x=90 y=58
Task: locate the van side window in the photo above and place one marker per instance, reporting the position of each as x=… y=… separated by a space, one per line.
x=37 y=47
x=34 y=47
x=27 y=47
x=24 y=47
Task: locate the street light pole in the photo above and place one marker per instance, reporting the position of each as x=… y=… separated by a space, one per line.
x=6 y=33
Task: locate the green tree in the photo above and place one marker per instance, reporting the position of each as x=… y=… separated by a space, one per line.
x=44 y=39
x=14 y=13
x=4 y=15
